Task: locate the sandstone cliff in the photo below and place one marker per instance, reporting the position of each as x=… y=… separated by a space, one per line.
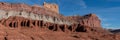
x=25 y=22
x=89 y=20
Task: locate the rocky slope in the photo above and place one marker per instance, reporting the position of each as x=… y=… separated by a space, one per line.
x=46 y=34
x=24 y=22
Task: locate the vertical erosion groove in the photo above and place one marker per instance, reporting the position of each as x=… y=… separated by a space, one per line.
x=5 y=38
x=62 y=28
x=28 y=23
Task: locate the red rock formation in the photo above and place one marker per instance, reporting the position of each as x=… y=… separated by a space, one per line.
x=28 y=8
x=19 y=28
x=89 y=20
x=20 y=22
x=51 y=7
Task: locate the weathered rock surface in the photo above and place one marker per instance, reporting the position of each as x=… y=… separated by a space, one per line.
x=23 y=22
x=44 y=34
x=6 y=14
x=52 y=7
x=90 y=20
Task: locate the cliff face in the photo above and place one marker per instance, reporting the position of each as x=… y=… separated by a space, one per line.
x=47 y=18
x=89 y=20
x=51 y=7
x=24 y=22
x=23 y=7
x=31 y=12
x=40 y=13
x=19 y=15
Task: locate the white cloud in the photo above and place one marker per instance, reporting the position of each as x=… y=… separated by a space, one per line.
x=83 y=4
x=102 y=19
x=110 y=26
x=80 y=2
x=107 y=25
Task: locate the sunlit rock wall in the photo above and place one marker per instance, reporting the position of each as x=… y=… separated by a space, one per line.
x=33 y=16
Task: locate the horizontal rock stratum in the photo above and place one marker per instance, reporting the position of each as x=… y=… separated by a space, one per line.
x=41 y=13
x=25 y=22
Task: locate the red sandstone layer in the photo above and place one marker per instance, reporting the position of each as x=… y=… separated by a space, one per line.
x=23 y=7
x=90 y=20
x=86 y=27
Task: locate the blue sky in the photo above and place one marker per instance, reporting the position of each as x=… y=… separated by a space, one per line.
x=107 y=10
